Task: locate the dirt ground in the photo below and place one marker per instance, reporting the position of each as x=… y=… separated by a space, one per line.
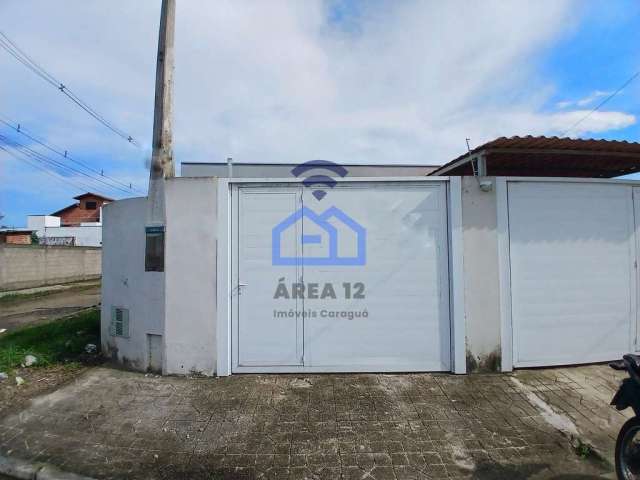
x=53 y=305
x=37 y=381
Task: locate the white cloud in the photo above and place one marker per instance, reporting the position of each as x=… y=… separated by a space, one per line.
x=596 y=95
x=584 y=102
x=595 y=122
x=275 y=81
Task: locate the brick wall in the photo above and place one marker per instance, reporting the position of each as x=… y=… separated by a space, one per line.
x=76 y=214
x=35 y=266
x=18 y=239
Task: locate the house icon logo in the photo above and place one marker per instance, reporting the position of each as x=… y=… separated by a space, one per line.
x=334 y=226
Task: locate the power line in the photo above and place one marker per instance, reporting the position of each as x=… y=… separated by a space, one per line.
x=55 y=175
x=52 y=167
x=36 y=166
x=51 y=162
x=624 y=85
x=65 y=154
x=7 y=44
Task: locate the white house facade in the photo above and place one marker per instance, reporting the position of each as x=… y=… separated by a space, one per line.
x=380 y=274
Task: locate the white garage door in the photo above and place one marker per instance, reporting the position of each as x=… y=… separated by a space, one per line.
x=356 y=281
x=572 y=255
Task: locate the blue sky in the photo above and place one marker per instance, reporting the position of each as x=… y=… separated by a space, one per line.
x=284 y=81
x=600 y=53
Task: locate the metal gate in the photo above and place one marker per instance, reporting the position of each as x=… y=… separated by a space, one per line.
x=572 y=276
x=356 y=281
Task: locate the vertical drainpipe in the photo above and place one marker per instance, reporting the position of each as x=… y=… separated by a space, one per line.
x=230 y=167
x=480 y=172
x=481 y=165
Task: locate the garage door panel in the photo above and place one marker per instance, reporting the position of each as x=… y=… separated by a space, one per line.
x=263 y=339
x=571 y=254
x=401 y=323
x=406 y=284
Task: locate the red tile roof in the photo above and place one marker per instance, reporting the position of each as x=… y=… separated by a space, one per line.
x=77 y=213
x=89 y=194
x=550 y=157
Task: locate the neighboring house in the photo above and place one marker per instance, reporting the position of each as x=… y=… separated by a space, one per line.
x=16 y=236
x=76 y=225
x=86 y=210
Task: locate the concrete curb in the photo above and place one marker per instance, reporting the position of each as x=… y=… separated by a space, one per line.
x=48 y=289
x=24 y=470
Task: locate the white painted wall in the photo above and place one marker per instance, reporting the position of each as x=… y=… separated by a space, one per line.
x=265 y=170
x=481 y=295
x=39 y=222
x=126 y=284
x=86 y=234
x=187 y=293
x=190 y=267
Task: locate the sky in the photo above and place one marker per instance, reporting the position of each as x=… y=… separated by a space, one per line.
x=349 y=81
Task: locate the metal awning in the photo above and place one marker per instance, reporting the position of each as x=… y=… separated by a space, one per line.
x=547 y=157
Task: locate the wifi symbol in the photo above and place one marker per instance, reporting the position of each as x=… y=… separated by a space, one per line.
x=319 y=179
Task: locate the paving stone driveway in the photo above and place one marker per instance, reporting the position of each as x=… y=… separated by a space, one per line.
x=116 y=424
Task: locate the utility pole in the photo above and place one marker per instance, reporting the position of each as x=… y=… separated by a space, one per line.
x=162 y=165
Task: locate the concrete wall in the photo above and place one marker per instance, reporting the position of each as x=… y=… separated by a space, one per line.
x=126 y=284
x=190 y=267
x=481 y=281
x=85 y=235
x=256 y=170
x=35 y=266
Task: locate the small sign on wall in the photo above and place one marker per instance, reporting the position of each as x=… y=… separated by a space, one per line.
x=154 y=248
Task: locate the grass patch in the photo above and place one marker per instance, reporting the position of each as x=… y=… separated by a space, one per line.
x=59 y=341
x=583 y=450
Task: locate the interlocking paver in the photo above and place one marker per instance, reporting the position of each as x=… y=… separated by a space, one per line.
x=115 y=424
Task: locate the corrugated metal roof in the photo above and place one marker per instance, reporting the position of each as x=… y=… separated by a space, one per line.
x=550 y=156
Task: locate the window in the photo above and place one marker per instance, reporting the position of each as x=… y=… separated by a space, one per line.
x=119 y=322
x=91 y=205
x=154 y=249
